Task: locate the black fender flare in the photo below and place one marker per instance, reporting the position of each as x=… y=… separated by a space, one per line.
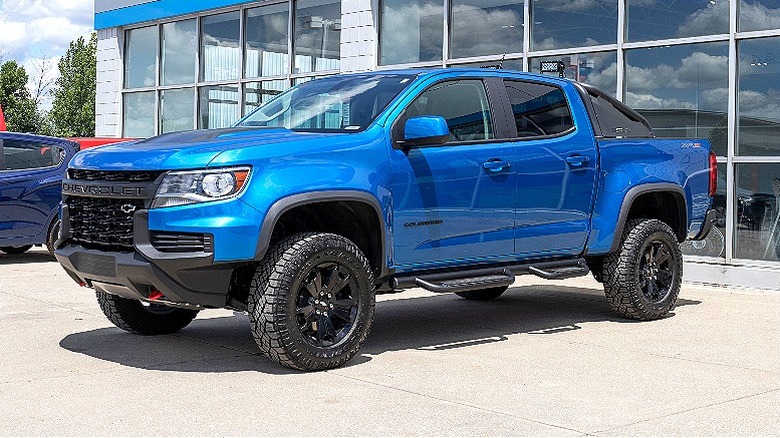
x=644 y=189
x=281 y=206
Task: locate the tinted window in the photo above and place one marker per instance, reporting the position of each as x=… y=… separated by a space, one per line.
x=617 y=120
x=19 y=154
x=539 y=109
x=463 y=104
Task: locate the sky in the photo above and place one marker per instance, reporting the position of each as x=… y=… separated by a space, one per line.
x=36 y=31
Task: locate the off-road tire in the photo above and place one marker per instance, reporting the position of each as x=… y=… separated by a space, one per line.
x=15 y=250
x=280 y=323
x=134 y=317
x=483 y=294
x=52 y=235
x=627 y=284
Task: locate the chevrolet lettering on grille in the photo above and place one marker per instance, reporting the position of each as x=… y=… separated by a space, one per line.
x=101 y=190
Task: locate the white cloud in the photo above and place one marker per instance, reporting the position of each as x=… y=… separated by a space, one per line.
x=35 y=30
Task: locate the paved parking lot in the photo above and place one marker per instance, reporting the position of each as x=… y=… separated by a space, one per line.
x=548 y=358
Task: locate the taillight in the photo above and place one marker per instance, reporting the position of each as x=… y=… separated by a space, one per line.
x=713 y=174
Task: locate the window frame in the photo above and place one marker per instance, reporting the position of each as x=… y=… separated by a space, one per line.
x=33 y=169
x=511 y=112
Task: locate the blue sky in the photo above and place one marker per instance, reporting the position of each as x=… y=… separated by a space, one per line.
x=33 y=32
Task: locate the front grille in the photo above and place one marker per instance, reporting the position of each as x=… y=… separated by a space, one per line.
x=181 y=242
x=103 y=223
x=111 y=176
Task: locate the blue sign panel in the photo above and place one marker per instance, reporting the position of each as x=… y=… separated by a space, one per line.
x=114 y=13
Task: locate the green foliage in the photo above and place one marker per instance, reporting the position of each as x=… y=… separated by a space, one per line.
x=73 y=110
x=20 y=111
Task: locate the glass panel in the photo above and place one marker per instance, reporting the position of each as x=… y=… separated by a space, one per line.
x=759 y=15
x=682 y=90
x=509 y=64
x=317 y=35
x=573 y=23
x=345 y=104
x=21 y=154
x=177 y=112
x=462 y=103
x=597 y=69
x=258 y=93
x=266 y=41
x=656 y=20
x=499 y=29
x=141 y=57
x=218 y=106
x=178 y=54
x=539 y=109
x=411 y=31
x=138 y=114
x=714 y=245
x=298 y=81
x=220 y=47
x=757 y=233
x=759 y=97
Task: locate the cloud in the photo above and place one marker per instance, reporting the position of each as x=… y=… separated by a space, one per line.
x=499 y=30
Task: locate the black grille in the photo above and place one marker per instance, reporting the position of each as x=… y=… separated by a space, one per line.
x=103 y=223
x=99 y=175
x=181 y=242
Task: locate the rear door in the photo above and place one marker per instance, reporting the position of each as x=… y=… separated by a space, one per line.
x=31 y=172
x=454 y=203
x=556 y=170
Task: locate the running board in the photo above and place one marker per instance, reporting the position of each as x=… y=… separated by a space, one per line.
x=562 y=273
x=503 y=279
x=488 y=277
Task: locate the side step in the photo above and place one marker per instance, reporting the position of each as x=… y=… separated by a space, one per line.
x=503 y=279
x=561 y=273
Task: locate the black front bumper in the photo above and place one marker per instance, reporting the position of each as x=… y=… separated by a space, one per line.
x=187 y=279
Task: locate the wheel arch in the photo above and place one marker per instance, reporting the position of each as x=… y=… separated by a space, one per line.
x=360 y=208
x=644 y=202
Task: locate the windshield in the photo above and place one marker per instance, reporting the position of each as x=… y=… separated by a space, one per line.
x=331 y=104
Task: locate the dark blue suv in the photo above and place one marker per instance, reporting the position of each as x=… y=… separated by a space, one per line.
x=31 y=172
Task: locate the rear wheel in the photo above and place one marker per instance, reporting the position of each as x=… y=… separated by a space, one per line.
x=642 y=279
x=483 y=294
x=15 y=250
x=311 y=303
x=148 y=320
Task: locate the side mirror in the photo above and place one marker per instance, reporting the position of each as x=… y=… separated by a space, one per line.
x=426 y=131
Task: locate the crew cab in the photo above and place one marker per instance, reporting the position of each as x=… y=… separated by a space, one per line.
x=352 y=185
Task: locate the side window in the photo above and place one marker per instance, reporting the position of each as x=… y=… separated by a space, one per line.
x=19 y=155
x=539 y=109
x=463 y=103
x=616 y=119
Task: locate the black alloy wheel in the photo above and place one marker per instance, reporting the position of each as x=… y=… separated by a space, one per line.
x=656 y=271
x=326 y=306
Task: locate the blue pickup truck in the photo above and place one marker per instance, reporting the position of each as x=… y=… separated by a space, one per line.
x=353 y=185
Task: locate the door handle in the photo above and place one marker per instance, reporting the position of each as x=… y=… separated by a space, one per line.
x=495 y=165
x=577 y=160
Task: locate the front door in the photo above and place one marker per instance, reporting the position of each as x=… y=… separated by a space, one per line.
x=454 y=202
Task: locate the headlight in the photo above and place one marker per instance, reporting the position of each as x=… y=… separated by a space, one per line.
x=191 y=187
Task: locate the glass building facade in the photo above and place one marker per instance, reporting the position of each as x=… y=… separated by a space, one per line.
x=696 y=69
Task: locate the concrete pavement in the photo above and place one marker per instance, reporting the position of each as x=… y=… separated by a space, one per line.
x=547 y=358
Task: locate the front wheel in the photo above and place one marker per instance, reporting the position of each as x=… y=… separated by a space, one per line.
x=148 y=320
x=53 y=235
x=643 y=278
x=311 y=302
x=15 y=250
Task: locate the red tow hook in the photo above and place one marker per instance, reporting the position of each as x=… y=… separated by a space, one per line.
x=82 y=284
x=155 y=295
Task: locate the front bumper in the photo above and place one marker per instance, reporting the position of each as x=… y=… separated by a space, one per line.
x=706 y=226
x=189 y=279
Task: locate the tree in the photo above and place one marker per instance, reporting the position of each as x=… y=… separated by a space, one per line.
x=73 y=109
x=20 y=110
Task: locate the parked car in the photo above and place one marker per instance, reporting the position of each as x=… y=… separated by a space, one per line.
x=31 y=172
x=348 y=186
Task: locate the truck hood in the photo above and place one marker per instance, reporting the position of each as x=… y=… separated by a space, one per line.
x=190 y=149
